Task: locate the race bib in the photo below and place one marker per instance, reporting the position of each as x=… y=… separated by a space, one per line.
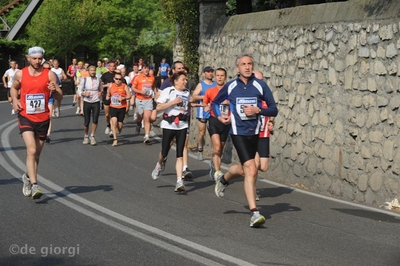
x=262 y=127
x=35 y=103
x=182 y=106
x=241 y=102
x=224 y=109
x=115 y=101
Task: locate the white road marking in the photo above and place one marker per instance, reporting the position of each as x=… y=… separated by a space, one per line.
x=162 y=234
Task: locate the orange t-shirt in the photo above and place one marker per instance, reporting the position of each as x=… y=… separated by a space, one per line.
x=209 y=97
x=143 y=82
x=35 y=96
x=84 y=73
x=115 y=92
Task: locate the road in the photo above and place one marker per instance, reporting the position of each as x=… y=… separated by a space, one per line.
x=101 y=207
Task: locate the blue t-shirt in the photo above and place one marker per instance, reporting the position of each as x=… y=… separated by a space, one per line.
x=240 y=94
x=164 y=69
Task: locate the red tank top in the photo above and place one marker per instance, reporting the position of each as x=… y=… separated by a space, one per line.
x=115 y=92
x=264 y=132
x=35 y=95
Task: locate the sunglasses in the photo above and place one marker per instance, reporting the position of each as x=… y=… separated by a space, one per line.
x=117 y=79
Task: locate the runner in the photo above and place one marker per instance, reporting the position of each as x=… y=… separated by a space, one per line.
x=132 y=75
x=245 y=94
x=163 y=70
x=175 y=103
x=46 y=65
x=107 y=79
x=117 y=94
x=143 y=86
x=100 y=69
x=218 y=131
x=71 y=74
x=266 y=129
x=91 y=91
x=8 y=79
x=127 y=81
x=176 y=67
x=35 y=85
x=201 y=115
x=61 y=76
x=77 y=80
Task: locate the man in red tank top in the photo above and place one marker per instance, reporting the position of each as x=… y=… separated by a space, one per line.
x=35 y=85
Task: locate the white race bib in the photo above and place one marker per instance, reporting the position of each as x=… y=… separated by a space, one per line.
x=224 y=109
x=35 y=103
x=241 y=102
x=115 y=101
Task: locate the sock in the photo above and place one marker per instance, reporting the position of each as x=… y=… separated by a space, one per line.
x=86 y=136
x=223 y=181
x=158 y=166
x=200 y=149
x=185 y=167
x=179 y=178
x=254 y=210
x=34 y=184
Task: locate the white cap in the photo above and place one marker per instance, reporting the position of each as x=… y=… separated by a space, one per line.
x=36 y=50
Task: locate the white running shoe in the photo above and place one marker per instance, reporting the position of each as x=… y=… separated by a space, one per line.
x=85 y=140
x=12 y=112
x=27 y=188
x=92 y=140
x=78 y=111
x=155 y=174
x=36 y=193
x=107 y=131
x=256 y=219
x=179 y=186
x=146 y=139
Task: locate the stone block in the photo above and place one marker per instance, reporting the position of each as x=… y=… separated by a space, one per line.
x=386 y=32
x=362 y=183
x=376 y=136
x=375 y=181
x=391 y=51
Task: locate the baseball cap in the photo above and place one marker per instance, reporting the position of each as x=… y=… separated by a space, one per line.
x=36 y=50
x=105 y=59
x=208 y=68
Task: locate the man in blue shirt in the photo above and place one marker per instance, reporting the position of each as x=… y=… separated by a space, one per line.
x=245 y=94
x=163 y=70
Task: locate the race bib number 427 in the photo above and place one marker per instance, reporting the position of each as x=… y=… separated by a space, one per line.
x=35 y=103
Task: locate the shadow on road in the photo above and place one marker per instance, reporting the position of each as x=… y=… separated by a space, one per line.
x=273 y=192
x=76 y=190
x=376 y=216
x=9 y=181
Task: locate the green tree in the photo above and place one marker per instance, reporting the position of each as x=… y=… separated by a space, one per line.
x=107 y=28
x=185 y=14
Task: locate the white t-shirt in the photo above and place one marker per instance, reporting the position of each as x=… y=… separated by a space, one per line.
x=10 y=74
x=58 y=71
x=170 y=94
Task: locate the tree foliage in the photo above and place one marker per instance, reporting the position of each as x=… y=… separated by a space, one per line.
x=185 y=14
x=108 y=28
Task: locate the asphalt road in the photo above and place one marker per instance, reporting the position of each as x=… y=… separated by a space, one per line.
x=101 y=207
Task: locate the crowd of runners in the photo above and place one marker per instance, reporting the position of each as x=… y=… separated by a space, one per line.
x=242 y=108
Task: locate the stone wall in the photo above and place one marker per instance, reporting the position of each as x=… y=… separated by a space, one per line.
x=334 y=71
